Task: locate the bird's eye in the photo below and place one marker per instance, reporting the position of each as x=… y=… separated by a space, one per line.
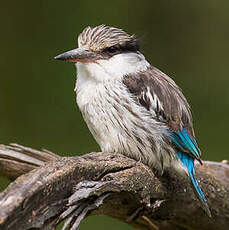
x=112 y=49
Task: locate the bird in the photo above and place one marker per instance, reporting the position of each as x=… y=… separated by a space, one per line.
x=130 y=106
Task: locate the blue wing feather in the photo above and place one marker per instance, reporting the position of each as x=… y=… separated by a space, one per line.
x=183 y=141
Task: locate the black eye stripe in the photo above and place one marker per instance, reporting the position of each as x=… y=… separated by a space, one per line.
x=112 y=49
x=120 y=48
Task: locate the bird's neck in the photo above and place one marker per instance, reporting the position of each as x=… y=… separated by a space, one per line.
x=91 y=77
x=114 y=68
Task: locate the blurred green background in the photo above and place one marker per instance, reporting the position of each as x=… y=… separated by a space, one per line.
x=189 y=40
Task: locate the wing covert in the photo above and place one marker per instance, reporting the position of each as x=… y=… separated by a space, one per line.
x=160 y=95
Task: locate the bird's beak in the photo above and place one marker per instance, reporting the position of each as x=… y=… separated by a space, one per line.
x=77 y=55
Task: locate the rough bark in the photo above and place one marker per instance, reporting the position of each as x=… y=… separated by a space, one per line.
x=72 y=188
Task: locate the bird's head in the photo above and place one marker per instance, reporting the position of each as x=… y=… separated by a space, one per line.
x=100 y=42
x=111 y=48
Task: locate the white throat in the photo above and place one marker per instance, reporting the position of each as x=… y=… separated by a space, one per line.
x=114 y=68
x=91 y=77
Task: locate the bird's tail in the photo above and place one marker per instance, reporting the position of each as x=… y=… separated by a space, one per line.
x=188 y=162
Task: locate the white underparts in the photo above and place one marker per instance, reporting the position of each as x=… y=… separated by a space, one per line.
x=115 y=120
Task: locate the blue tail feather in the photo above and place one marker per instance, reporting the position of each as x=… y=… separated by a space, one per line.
x=188 y=162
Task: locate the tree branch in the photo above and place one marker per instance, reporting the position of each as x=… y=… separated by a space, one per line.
x=72 y=188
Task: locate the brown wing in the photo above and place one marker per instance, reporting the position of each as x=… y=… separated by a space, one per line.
x=160 y=95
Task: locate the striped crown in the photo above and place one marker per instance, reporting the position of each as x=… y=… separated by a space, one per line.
x=101 y=37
